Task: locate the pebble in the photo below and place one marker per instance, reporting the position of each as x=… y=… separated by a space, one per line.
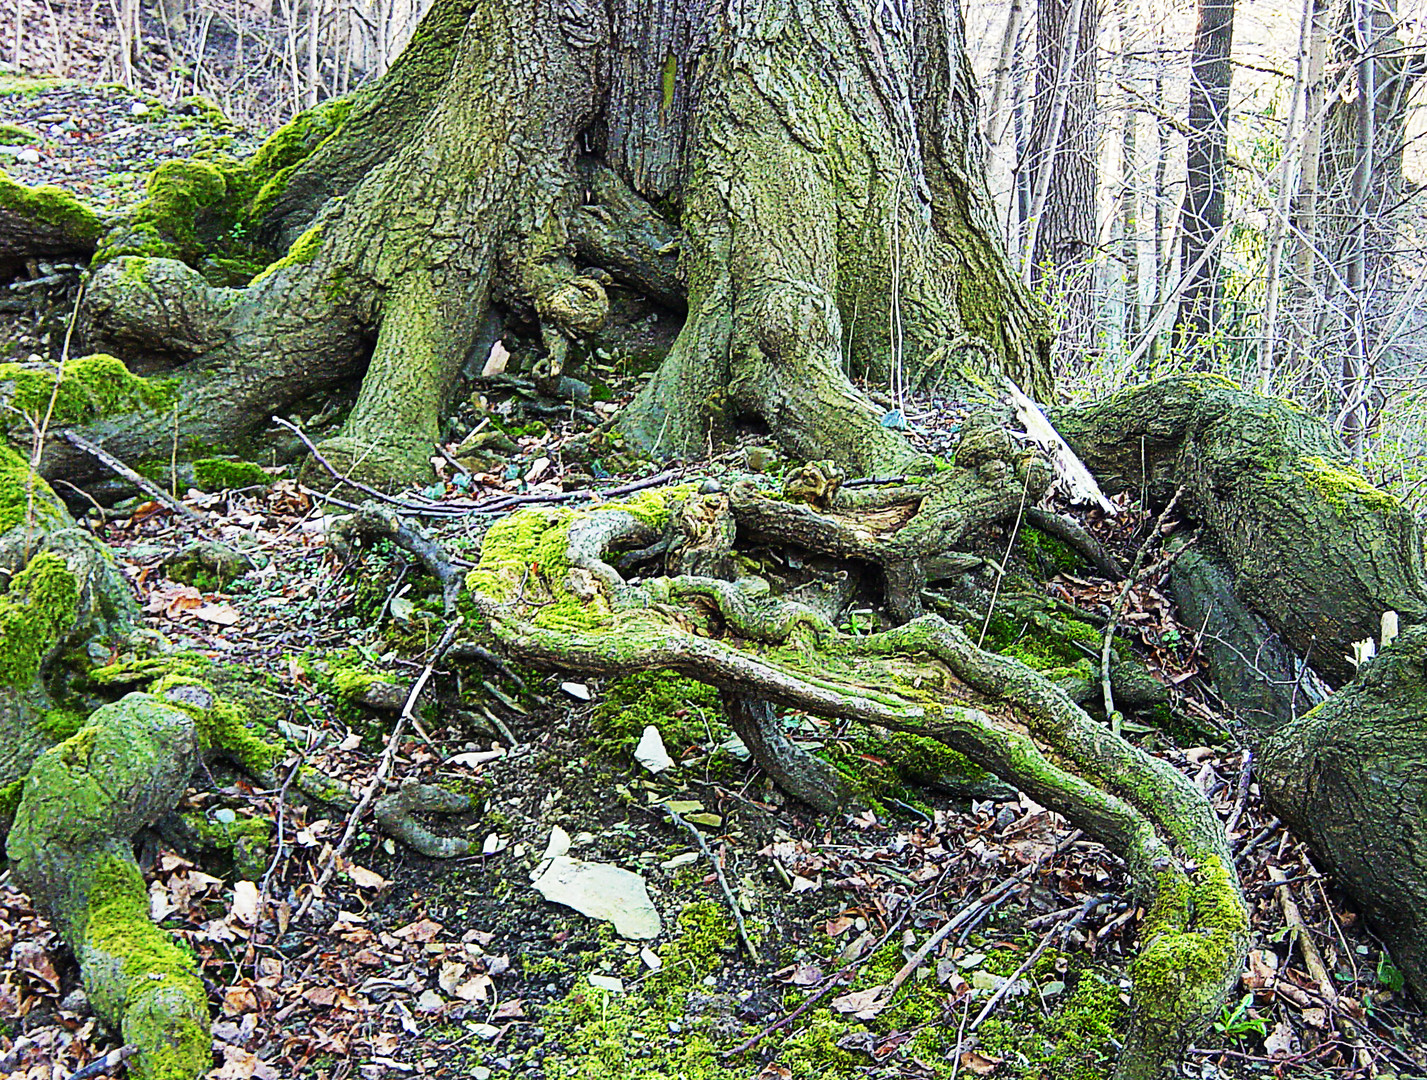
x=578 y=691
x=29 y=156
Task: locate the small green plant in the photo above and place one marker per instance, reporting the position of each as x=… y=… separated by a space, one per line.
x=1389 y=975
x=1237 y=1022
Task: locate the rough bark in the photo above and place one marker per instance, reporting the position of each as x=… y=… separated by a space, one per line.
x=830 y=225
x=1315 y=550
x=1065 y=235
x=835 y=221
x=1350 y=778
x=1203 y=214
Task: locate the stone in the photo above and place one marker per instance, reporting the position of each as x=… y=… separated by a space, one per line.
x=651 y=753
x=604 y=892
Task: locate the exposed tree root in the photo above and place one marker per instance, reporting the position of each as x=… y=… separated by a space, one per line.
x=924 y=678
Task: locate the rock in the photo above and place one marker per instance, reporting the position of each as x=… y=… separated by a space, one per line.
x=651 y=753
x=578 y=691
x=138 y=109
x=652 y=960
x=28 y=156
x=604 y=892
x=608 y=982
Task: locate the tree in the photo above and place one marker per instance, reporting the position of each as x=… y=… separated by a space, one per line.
x=1202 y=218
x=830 y=216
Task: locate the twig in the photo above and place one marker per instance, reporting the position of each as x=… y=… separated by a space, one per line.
x=722 y=882
x=1312 y=958
x=116 y=466
x=281 y=840
x=108 y=1063
x=452 y=461
x=1063 y=930
x=1246 y=772
x=1001 y=570
x=1108 y=641
x=365 y=488
x=383 y=767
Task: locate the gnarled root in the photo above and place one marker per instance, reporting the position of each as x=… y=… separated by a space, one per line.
x=70 y=846
x=926 y=679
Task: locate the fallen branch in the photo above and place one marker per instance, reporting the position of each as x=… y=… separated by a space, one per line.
x=384 y=766
x=114 y=465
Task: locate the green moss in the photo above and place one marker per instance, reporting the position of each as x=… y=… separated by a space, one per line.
x=165 y=223
x=1036 y=547
x=23 y=494
x=15 y=135
x=679 y=707
x=1336 y=484
x=59 y=724
x=303 y=250
x=52 y=206
x=220 y=474
x=153 y=969
x=594 y=1035
x=1191 y=937
x=1075 y=1042
x=10 y=802
x=524 y=555
x=245 y=839
x=224 y=726
x=35 y=615
x=89 y=387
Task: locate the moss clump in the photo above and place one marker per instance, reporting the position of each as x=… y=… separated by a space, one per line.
x=15 y=135
x=303 y=250
x=59 y=724
x=166 y=222
x=1046 y=551
x=89 y=387
x=221 y=474
x=679 y=707
x=153 y=971
x=289 y=146
x=1075 y=1042
x=524 y=555
x=51 y=206
x=1336 y=483
x=594 y=1035
x=224 y=726
x=35 y=615
x=23 y=494
x=1191 y=936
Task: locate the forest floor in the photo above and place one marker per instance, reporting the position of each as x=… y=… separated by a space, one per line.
x=407 y=966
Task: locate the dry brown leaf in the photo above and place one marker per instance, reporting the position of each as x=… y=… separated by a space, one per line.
x=979 y=1064
x=421 y=931
x=863 y=1004
x=364 y=878
x=218 y=614
x=31 y=958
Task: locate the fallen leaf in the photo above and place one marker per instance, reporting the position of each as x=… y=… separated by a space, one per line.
x=421 y=931
x=1281 y=1041
x=245 y=903
x=31 y=958
x=979 y=1064
x=364 y=878
x=218 y=614
x=863 y=1004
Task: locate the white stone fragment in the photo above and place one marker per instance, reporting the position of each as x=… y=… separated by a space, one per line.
x=577 y=690
x=651 y=753
x=604 y=892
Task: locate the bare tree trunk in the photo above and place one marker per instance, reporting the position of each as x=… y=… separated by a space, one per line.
x=1352 y=390
x=1289 y=170
x=1203 y=215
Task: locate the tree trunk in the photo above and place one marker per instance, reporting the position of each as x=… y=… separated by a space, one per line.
x=1064 y=163
x=1203 y=214
x=831 y=226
